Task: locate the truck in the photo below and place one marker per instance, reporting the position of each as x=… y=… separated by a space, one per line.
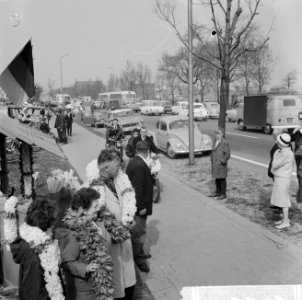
x=269 y=111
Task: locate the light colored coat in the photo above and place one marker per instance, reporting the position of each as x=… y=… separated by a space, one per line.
x=219 y=158
x=283 y=162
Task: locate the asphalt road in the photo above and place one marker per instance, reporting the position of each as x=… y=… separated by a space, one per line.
x=250 y=145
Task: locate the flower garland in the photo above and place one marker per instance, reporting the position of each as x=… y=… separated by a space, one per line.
x=10 y=225
x=123 y=183
x=93 y=249
x=49 y=254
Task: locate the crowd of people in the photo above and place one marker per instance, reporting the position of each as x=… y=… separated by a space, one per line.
x=93 y=246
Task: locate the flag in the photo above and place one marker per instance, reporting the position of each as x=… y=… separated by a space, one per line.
x=17 y=80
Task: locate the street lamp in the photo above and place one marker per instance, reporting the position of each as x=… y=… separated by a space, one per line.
x=61 y=72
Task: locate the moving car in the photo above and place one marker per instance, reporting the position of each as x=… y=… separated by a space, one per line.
x=135 y=106
x=213 y=109
x=182 y=108
x=151 y=107
x=126 y=117
x=99 y=116
x=172 y=136
x=269 y=111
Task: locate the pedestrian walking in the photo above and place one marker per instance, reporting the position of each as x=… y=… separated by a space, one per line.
x=296 y=137
x=69 y=121
x=219 y=159
x=282 y=168
x=61 y=127
x=140 y=176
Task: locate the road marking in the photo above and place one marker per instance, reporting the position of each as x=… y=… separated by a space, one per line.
x=250 y=136
x=254 y=162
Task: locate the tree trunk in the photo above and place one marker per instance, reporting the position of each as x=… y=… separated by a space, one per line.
x=224 y=97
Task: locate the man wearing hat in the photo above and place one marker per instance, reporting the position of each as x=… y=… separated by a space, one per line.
x=282 y=168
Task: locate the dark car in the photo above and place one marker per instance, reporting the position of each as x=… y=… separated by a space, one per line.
x=167 y=105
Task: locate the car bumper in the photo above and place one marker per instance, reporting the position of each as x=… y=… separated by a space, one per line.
x=129 y=128
x=196 y=151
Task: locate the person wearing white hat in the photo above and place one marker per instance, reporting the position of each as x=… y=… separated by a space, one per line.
x=282 y=168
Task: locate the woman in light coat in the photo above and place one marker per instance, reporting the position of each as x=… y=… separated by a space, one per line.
x=282 y=168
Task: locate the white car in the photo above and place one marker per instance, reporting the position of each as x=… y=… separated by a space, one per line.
x=151 y=107
x=213 y=109
x=182 y=108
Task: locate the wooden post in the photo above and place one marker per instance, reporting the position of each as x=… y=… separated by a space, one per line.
x=4 y=171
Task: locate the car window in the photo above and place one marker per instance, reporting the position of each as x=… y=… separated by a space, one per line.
x=179 y=124
x=289 y=102
x=163 y=125
x=157 y=125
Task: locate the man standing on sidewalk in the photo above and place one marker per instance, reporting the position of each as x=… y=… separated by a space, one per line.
x=142 y=181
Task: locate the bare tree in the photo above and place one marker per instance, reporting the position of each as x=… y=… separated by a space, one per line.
x=231 y=38
x=262 y=63
x=143 y=74
x=160 y=84
x=128 y=77
x=38 y=91
x=168 y=71
x=113 y=83
x=289 y=80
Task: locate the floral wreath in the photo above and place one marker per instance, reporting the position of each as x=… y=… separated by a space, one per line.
x=93 y=249
x=41 y=242
x=123 y=183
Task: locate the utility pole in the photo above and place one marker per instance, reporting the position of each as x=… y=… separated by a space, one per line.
x=190 y=88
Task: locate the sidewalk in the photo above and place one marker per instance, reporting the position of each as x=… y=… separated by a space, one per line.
x=195 y=241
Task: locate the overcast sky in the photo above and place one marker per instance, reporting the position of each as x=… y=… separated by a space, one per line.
x=101 y=35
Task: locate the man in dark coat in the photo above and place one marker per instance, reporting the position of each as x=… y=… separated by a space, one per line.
x=296 y=137
x=61 y=127
x=142 y=181
x=145 y=138
x=219 y=159
x=69 y=121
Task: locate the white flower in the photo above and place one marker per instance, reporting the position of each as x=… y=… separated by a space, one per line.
x=11 y=204
x=49 y=257
x=10 y=230
x=92 y=171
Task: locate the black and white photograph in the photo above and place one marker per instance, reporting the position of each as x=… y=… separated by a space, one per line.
x=150 y=150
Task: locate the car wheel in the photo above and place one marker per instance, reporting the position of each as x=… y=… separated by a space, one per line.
x=268 y=129
x=241 y=125
x=170 y=152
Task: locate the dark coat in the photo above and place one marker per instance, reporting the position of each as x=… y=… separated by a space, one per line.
x=77 y=284
x=219 y=158
x=297 y=138
x=130 y=150
x=149 y=141
x=68 y=120
x=59 y=122
x=31 y=274
x=142 y=182
x=115 y=133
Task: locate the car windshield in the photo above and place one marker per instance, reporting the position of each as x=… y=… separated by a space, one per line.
x=198 y=105
x=122 y=114
x=179 y=124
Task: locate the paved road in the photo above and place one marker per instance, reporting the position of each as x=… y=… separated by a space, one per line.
x=195 y=241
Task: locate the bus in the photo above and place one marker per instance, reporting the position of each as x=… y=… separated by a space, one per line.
x=123 y=97
x=62 y=99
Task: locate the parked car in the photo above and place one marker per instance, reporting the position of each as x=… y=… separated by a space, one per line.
x=182 y=108
x=172 y=136
x=167 y=105
x=232 y=114
x=99 y=116
x=151 y=107
x=126 y=117
x=213 y=109
x=134 y=106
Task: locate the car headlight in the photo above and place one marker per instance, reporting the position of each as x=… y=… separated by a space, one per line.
x=180 y=146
